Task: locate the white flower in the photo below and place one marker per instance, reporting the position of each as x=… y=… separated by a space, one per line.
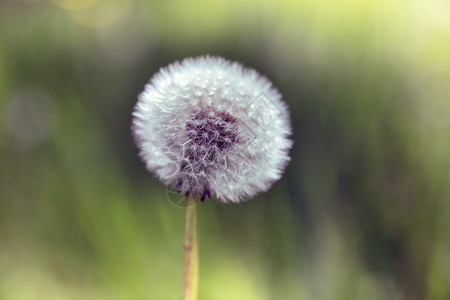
x=211 y=127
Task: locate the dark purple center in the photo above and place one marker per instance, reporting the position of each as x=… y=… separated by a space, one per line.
x=210 y=134
x=213 y=130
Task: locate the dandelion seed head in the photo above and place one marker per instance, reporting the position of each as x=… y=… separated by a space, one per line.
x=211 y=127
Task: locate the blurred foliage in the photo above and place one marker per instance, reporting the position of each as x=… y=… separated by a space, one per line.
x=362 y=212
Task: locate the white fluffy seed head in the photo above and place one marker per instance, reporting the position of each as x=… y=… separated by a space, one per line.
x=210 y=127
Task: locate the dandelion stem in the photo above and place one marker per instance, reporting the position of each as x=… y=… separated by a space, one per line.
x=190 y=284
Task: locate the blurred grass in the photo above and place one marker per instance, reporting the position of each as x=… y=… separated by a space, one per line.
x=362 y=212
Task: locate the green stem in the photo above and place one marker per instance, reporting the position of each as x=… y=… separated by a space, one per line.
x=190 y=284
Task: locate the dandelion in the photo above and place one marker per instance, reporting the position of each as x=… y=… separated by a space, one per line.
x=211 y=128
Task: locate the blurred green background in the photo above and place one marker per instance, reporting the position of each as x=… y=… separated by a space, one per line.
x=362 y=211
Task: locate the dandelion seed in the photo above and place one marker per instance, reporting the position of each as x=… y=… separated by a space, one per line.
x=210 y=127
